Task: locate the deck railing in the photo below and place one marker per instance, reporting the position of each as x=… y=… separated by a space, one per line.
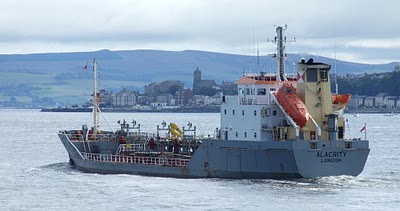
x=131 y=148
x=76 y=135
x=160 y=161
x=97 y=137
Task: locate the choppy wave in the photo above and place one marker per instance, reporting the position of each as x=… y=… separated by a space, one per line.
x=35 y=174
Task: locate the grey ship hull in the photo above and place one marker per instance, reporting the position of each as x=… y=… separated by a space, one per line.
x=244 y=159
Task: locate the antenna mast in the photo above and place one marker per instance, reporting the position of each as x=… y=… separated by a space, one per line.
x=334 y=43
x=280 y=55
x=258 y=56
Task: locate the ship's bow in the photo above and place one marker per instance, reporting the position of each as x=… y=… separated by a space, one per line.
x=72 y=150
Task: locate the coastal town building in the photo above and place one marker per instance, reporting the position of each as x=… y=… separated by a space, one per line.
x=106 y=98
x=379 y=100
x=125 y=98
x=229 y=88
x=369 y=102
x=166 y=98
x=171 y=93
x=389 y=101
x=183 y=97
x=382 y=100
x=169 y=86
x=199 y=83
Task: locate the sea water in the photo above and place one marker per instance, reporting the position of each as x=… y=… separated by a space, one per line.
x=35 y=174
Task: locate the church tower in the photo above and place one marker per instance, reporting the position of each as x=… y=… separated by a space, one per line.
x=196 y=80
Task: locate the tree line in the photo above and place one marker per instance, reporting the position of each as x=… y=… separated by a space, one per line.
x=369 y=84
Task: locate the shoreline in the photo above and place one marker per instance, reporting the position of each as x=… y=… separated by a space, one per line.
x=125 y=110
x=213 y=109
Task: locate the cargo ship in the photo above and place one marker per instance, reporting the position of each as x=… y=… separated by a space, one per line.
x=279 y=125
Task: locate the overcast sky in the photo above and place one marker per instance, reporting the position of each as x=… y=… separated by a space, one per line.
x=365 y=31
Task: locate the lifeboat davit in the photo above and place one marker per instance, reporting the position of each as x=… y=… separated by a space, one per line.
x=292 y=104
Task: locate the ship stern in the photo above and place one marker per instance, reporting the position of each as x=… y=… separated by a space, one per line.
x=330 y=158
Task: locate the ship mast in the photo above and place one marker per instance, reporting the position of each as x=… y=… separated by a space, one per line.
x=280 y=55
x=95 y=99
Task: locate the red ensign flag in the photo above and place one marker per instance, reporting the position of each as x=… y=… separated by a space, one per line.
x=364 y=128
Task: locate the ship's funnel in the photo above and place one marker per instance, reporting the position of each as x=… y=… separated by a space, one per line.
x=313 y=88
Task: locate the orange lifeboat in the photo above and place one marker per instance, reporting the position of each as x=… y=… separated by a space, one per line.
x=292 y=104
x=339 y=102
x=341 y=99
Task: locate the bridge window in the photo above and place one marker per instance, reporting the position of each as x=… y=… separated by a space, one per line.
x=311 y=75
x=245 y=134
x=255 y=135
x=261 y=91
x=255 y=112
x=243 y=112
x=274 y=112
x=237 y=134
x=233 y=112
x=225 y=111
x=324 y=75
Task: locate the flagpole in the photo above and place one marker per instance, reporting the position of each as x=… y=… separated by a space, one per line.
x=365 y=133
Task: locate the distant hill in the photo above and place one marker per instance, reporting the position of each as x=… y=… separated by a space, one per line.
x=61 y=76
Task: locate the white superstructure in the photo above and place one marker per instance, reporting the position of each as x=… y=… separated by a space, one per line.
x=253 y=114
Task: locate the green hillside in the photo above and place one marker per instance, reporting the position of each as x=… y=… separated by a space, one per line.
x=50 y=78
